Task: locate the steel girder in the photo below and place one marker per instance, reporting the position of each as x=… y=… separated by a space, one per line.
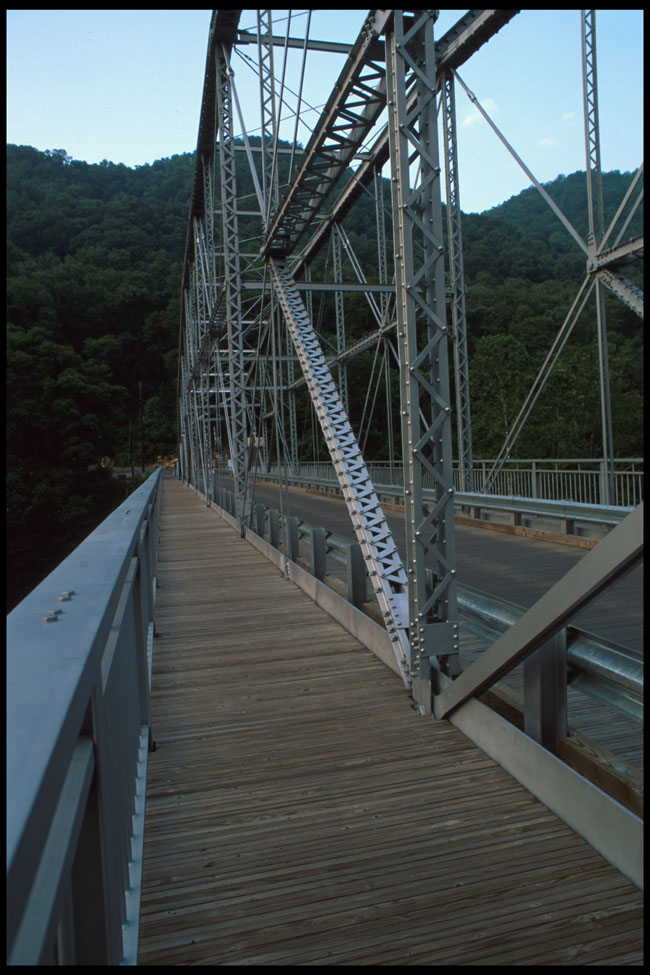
x=267 y=107
x=386 y=571
x=422 y=341
x=602 y=258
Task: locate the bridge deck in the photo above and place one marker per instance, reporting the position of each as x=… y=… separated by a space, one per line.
x=299 y=811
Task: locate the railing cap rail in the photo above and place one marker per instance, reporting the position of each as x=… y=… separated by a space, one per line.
x=559 y=508
x=51 y=667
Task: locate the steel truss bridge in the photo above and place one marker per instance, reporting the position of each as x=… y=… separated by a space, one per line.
x=249 y=337
x=87 y=699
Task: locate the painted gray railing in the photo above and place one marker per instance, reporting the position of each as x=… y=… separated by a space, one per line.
x=563 y=517
x=578 y=480
x=600 y=668
x=78 y=733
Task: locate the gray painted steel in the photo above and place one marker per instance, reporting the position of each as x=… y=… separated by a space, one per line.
x=424 y=377
x=379 y=550
x=78 y=723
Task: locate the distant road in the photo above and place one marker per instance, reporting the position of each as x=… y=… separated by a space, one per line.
x=509 y=566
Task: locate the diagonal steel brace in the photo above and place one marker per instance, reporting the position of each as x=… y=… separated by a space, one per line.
x=387 y=574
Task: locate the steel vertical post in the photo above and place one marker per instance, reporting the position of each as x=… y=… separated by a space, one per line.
x=422 y=341
x=267 y=112
x=596 y=231
x=340 y=315
x=232 y=280
x=457 y=276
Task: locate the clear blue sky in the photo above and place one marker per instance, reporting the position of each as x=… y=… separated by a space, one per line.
x=125 y=85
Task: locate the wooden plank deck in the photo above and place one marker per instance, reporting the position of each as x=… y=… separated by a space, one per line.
x=300 y=812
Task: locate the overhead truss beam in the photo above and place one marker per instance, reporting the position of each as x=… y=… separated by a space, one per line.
x=452 y=50
x=354 y=106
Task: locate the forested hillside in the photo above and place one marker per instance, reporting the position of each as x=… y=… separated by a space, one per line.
x=93 y=282
x=94 y=256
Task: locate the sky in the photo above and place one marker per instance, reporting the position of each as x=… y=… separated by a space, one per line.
x=126 y=85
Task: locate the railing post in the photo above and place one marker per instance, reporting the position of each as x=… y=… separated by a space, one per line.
x=356 y=575
x=545 y=705
x=567 y=526
x=318 y=552
x=259 y=515
x=293 y=548
x=274 y=527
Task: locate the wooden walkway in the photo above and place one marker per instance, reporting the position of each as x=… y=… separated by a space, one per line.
x=300 y=812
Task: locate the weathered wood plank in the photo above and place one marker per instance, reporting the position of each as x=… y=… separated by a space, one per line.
x=300 y=812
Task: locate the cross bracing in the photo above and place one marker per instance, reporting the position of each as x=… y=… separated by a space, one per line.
x=252 y=337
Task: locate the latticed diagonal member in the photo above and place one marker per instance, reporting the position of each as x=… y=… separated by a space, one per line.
x=387 y=574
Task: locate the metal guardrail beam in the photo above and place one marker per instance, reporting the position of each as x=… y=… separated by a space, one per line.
x=600 y=668
x=604 y=514
x=539 y=507
x=78 y=728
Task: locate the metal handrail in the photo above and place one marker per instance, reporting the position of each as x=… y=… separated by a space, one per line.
x=575 y=479
x=78 y=731
x=566 y=512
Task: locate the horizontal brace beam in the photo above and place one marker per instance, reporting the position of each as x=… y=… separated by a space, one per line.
x=329 y=47
x=616 y=554
x=353 y=286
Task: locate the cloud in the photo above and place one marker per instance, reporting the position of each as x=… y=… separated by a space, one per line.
x=549 y=142
x=567 y=116
x=490 y=107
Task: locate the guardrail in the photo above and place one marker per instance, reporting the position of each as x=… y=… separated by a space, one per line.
x=560 y=517
x=600 y=668
x=78 y=732
x=579 y=480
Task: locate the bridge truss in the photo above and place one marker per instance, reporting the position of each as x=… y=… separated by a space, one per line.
x=258 y=267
